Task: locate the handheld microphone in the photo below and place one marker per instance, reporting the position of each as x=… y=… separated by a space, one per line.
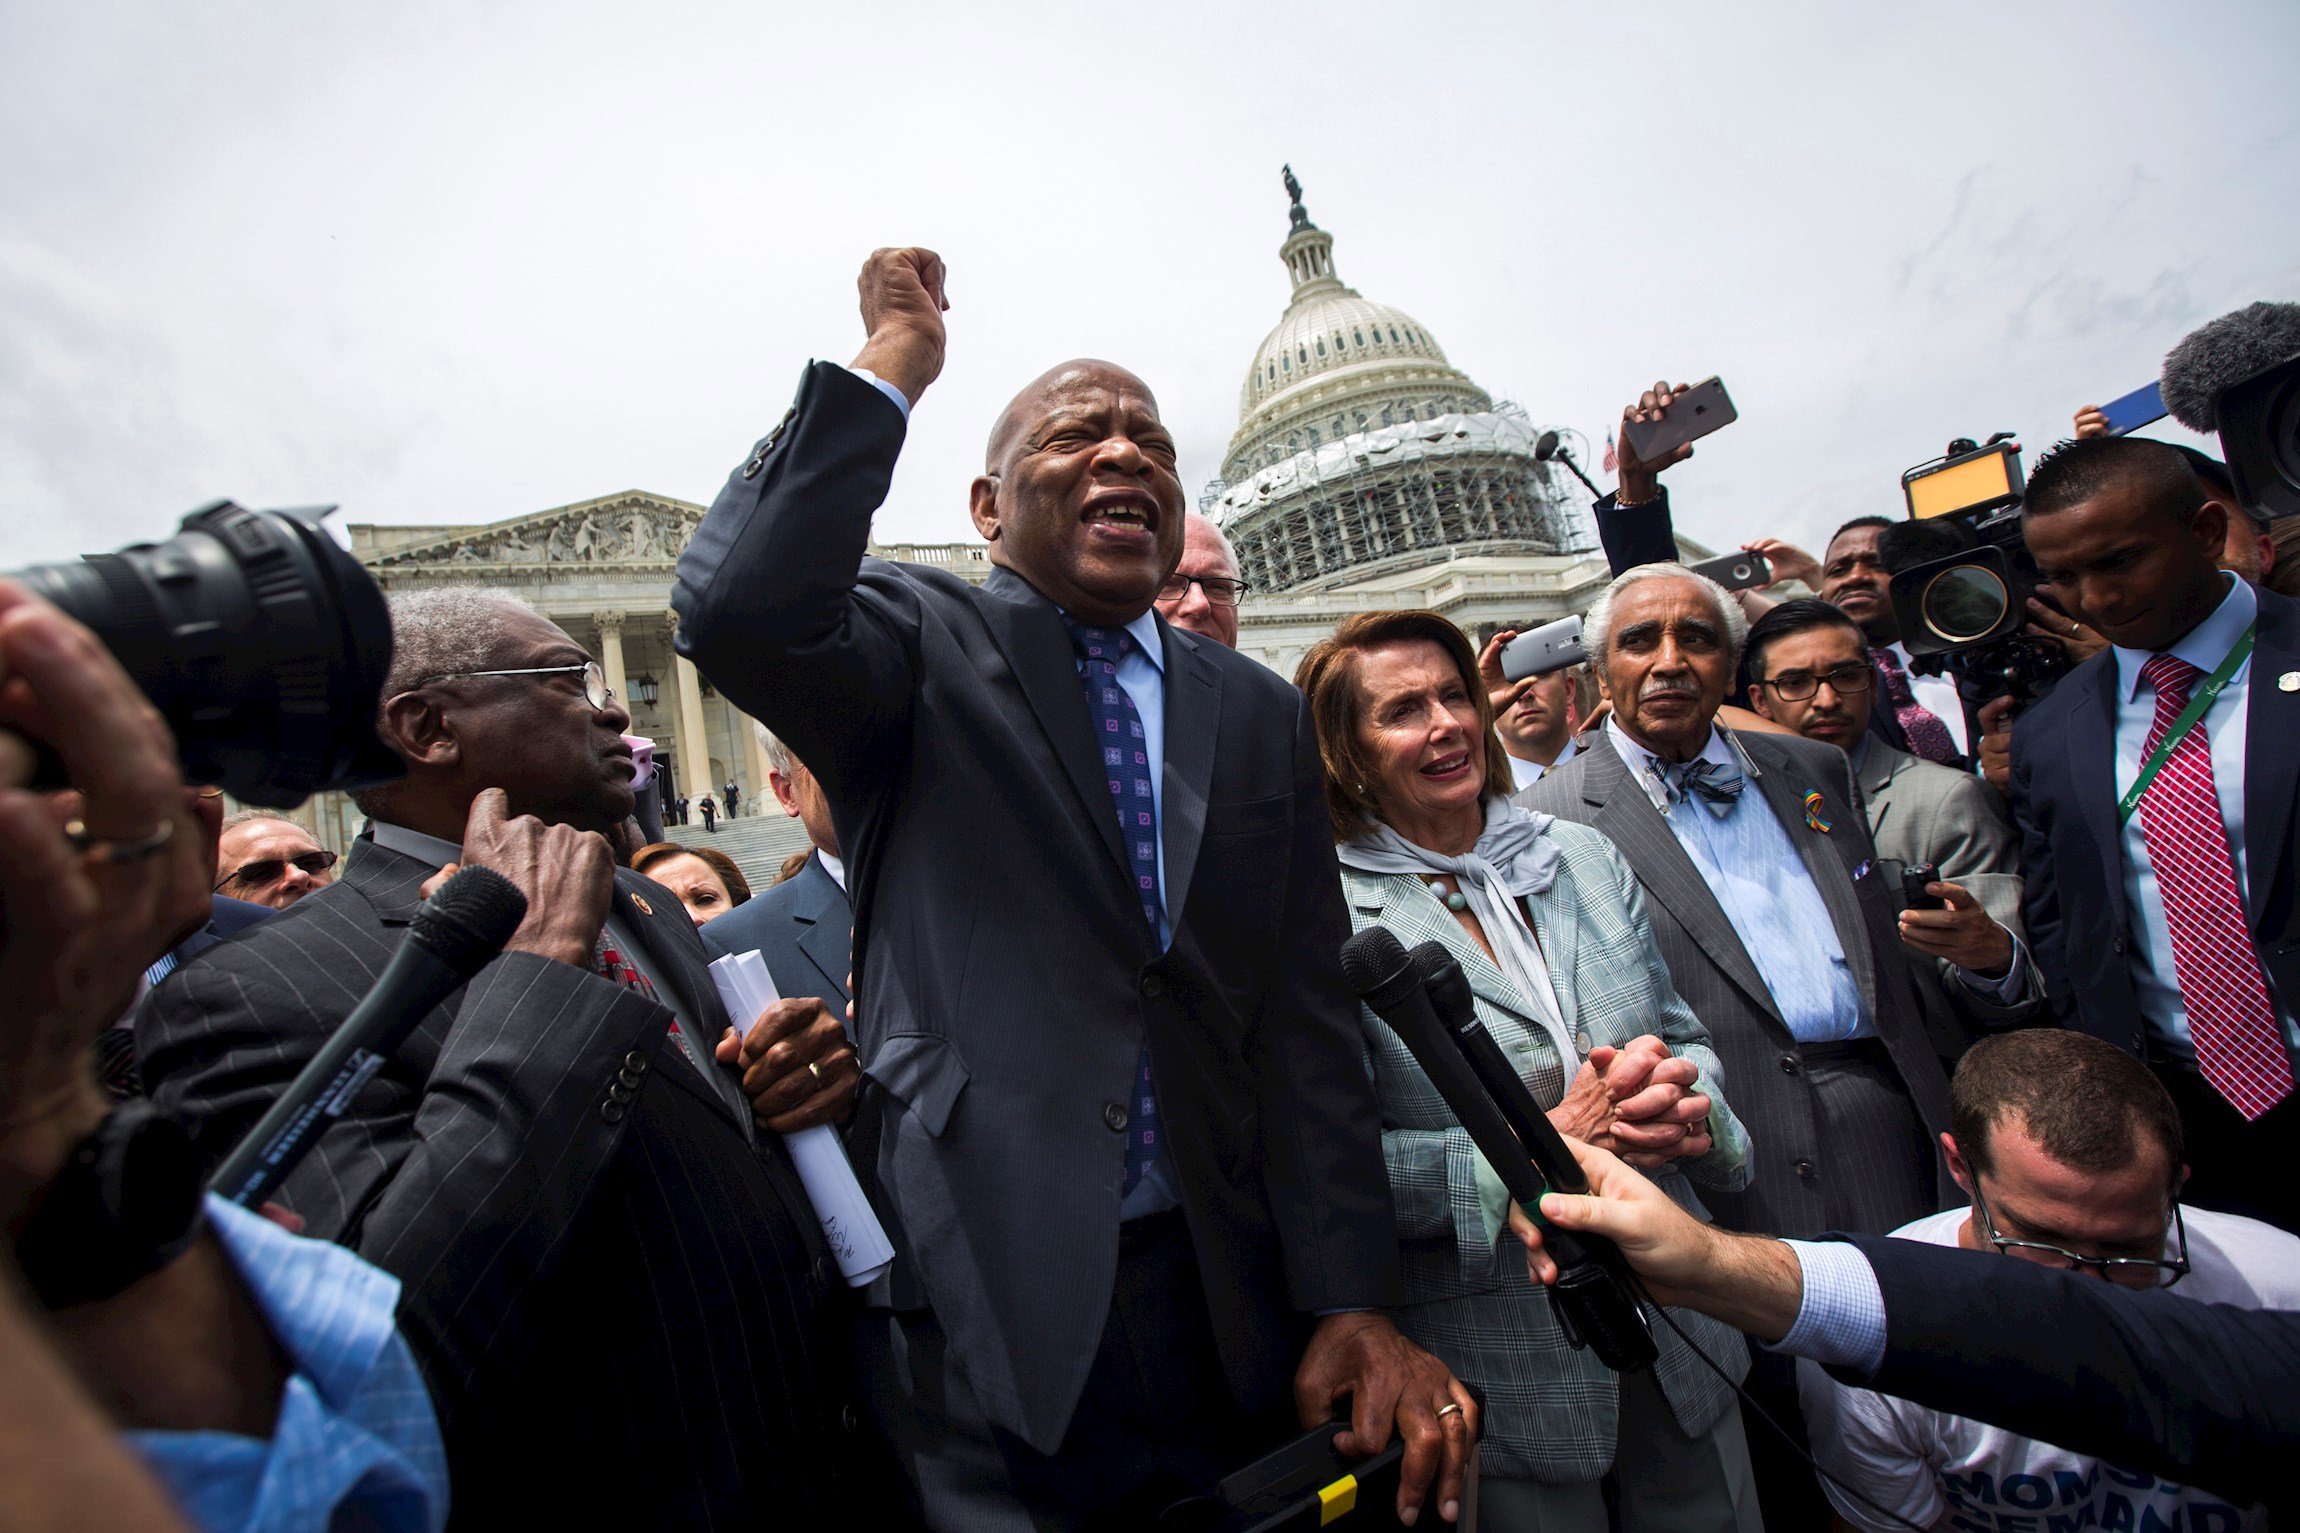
x=1595 y=1305
x=456 y=933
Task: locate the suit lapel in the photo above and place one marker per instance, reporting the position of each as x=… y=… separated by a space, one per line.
x=1390 y=900
x=1676 y=885
x=391 y=882
x=825 y=934
x=1824 y=863
x=2092 y=763
x=2271 y=765
x=1028 y=631
x=1193 y=716
x=1880 y=764
x=1557 y=925
x=676 y=984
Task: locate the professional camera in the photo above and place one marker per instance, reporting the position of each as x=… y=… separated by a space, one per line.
x=1962 y=576
x=262 y=642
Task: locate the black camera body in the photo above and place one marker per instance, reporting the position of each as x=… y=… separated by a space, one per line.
x=261 y=641
x=1962 y=577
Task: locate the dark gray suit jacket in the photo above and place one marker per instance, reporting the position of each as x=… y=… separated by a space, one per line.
x=800 y=928
x=1764 y=1075
x=620 y=1300
x=1006 y=980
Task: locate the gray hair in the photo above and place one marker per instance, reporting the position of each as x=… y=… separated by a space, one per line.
x=779 y=755
x=1597 y=627
x=444 y=630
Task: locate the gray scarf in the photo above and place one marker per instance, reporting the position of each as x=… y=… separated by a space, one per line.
x=1514 y=857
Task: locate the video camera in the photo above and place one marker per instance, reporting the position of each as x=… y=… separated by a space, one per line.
x=261 y=641
x=1962 y=576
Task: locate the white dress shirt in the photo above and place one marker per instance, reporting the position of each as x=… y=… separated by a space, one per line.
x=1939 y=696
x=834 y=867
x=2155 y=983
x=1524 y=774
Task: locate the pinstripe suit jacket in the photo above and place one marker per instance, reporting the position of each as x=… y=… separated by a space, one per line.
x=1771 y=1088
x=619 y=1300
x=1550 y=1410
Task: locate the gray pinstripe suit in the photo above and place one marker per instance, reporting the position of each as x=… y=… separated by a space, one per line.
x=1550 y=1409
x=1825 y=1156
x=620 y=1302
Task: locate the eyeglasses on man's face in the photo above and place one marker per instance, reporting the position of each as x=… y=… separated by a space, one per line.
x=1796 y=686
x=595 y=688
x=2124 y=1271
x=1221 y=590
x=254 y=875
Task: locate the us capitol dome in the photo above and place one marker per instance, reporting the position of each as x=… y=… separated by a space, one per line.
x=1368 y=472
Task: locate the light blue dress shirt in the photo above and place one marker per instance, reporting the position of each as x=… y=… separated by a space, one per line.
x=2155 y=983
x=1841 y=1316
x=356 y=1442
x=1750 y=864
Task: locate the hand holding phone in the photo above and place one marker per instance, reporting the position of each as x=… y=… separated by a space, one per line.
x=1539 y=651
x=1668 y=419
x=1747 y=570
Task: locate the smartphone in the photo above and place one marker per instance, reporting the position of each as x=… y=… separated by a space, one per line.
x=1914 y=877
x=1695 y=413
x=1742 y=571
x=1538 y=651
x=2141 y=407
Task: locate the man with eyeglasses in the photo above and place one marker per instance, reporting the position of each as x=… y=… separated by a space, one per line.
x=268 y=859
x=1202 y=593
x=2070 y=1151
x=1809 y=670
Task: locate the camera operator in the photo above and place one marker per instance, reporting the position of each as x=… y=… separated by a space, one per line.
x=258 y=1375
x=2157 y=839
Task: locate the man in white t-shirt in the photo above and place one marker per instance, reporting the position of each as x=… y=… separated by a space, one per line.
x=2071 y=1152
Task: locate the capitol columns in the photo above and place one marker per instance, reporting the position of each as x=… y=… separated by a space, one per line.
x=610 y=625
x=695 y=778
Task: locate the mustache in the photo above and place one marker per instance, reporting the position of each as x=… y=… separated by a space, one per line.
x=1662 y=688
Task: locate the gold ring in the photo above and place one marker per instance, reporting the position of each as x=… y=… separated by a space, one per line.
x=816 y=1071
x=104 y=849
x=1450 y=1408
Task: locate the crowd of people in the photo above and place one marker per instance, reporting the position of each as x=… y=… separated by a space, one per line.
x=1059 y=967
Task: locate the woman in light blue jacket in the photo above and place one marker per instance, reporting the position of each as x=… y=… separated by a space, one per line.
x=1549 y=926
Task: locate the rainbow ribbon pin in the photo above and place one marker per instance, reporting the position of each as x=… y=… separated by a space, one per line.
x=1813 y=815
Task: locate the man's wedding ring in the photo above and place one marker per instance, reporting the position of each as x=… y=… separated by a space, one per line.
x=1450 y=1408
x=105 y=850
x=816 y=1071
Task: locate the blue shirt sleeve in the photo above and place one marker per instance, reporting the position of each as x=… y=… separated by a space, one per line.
x=356 y=1432
x=884 y=387
x=1841 y=1320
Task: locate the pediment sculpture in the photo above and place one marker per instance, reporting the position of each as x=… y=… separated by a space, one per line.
x=625 y=530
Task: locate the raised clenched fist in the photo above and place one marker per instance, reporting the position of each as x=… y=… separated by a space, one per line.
x=902 y=308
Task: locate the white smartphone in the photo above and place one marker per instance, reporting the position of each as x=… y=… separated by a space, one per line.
x=1538 y=651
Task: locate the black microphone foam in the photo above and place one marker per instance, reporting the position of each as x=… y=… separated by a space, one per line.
x=2227 y=351
x=469 y=919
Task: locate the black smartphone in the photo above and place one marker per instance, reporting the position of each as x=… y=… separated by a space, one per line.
x=1742 y=571
x=1701 y=409
x=1914 y=877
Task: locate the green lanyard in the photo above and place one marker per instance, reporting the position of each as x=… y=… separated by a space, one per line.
x=2196 y=709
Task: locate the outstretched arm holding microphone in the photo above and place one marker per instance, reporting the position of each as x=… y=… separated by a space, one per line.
x=2200 y=1392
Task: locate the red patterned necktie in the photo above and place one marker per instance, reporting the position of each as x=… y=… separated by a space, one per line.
x=1920 y=726
x=2231 y=1017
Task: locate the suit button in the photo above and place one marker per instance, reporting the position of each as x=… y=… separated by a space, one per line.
x=635 y=1062
x=628 y=1078
x=1788 y=1064
x=612 y=1111
x=1153 y=985
x=2120 y=942
x=848 y=1418
x=1581 y=1040
x=823 y=1272
x=1114 y=1115
x=1804 y=1168
x=2139 y=1044
x=620 y=1092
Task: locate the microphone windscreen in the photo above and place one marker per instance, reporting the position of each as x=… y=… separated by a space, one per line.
x=2227 y=351
x=1372 y=959
x=466 y=923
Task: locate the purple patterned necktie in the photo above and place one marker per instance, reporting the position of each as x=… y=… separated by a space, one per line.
x=1126 y=766
x=1927 y=735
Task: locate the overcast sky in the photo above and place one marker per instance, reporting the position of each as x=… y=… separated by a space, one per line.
x=454 y=263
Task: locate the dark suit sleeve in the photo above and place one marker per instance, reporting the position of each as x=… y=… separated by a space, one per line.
x=2040 y=892
x=768 y=597
x=463 y=1189
x=1323 y=1165
x=2202 y=1393
x=1634 y=535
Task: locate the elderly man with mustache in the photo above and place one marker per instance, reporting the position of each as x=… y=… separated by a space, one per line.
x=1760 y=879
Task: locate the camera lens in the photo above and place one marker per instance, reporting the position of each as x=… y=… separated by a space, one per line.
x=1964 y=602
x=262 y=643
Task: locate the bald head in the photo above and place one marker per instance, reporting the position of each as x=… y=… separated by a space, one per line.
x=1080 y=493
x=1208 y=605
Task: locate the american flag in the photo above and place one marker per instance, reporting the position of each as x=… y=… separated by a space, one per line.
x=1612 y=463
